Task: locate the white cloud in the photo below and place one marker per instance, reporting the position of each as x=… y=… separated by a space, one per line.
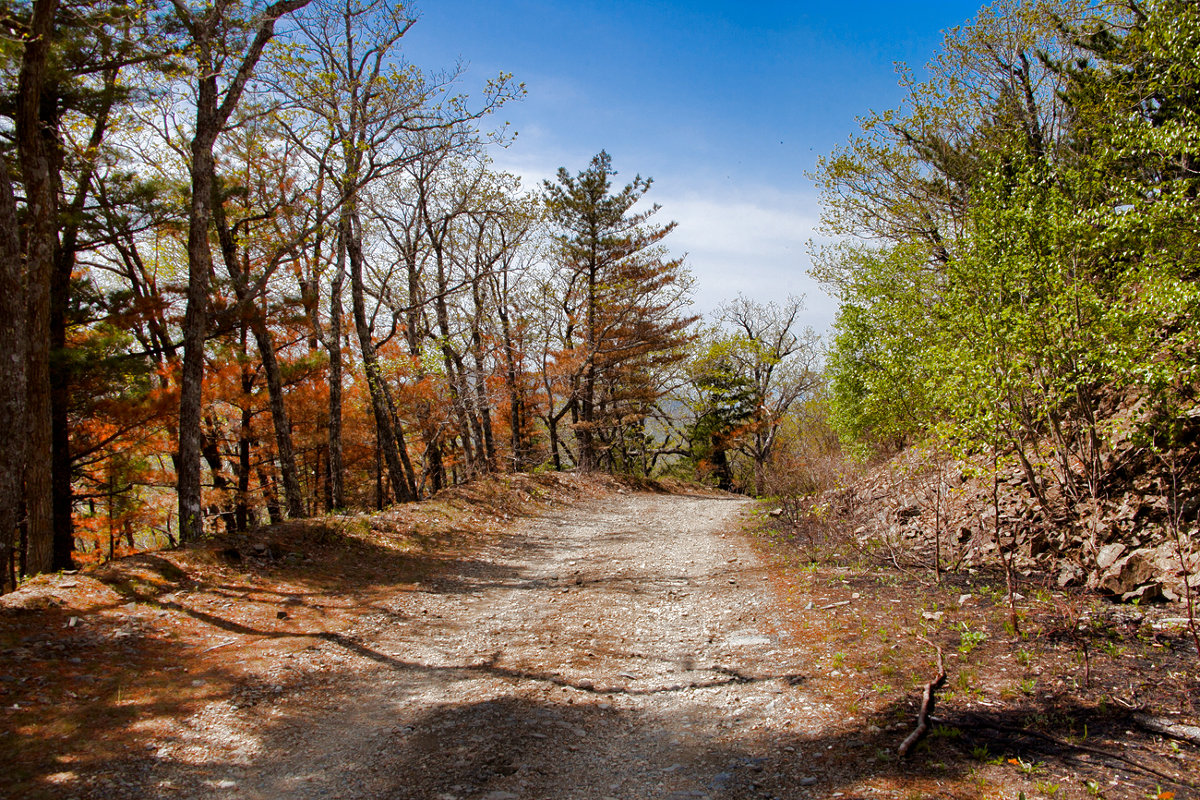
x=755 y=244
x=747 y=240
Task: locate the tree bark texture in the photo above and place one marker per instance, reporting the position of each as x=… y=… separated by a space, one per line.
x=293 y=494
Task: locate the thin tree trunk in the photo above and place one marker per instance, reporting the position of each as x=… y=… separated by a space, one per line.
x=515 y=417
x=380 y=403
x=482 y=402
x=242 y=506
x=212 y=456
x=212 y=113
x=267 y=483
x=337 y=470
x=293 y=494
x=584 y=433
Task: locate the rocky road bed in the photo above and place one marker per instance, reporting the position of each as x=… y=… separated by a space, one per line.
x=623 y=648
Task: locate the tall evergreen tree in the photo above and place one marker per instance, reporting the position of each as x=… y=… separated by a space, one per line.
x=624 y=297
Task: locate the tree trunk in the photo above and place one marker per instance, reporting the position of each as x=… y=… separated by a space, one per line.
x=337 y=470
x=212 y=456
x=267 y=483
x=195 y=320
x=242 y=505
x=293 y=494
x=60 y=298
x=584 y=432
x=482 y=402
x=516 y=416
x=239 y=277
x=212 y=113
x=13 y=353
x=380 y=402
x=41 y=198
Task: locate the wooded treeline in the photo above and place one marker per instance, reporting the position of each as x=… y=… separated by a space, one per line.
x=1019 y=268
x=257 y=266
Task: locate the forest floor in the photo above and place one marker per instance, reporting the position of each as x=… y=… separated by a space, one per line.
x=550 y=637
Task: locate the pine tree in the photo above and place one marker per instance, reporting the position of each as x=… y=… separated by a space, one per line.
x=624 y=297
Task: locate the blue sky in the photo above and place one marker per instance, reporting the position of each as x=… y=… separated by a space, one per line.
x=725 y=105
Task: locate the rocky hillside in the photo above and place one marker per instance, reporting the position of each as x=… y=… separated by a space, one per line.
x=1135 y=541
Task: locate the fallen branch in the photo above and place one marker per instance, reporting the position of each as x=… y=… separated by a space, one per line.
x=928 y=698
x=834 y=605
x=1169 y=728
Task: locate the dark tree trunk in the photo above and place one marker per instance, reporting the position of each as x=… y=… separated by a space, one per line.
x=60 y=298
x=720 y=459
x=242 y=506
x=195 y=320
x=34 y=149
x=267 y=481
x=337 y=470
x=240 y=278
x=13 y=353
x=212 y=456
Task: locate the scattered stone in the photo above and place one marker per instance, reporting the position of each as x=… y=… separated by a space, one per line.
x=1108 y=555
x=1126 y=574
x=1144 y=594
x=1070 y=575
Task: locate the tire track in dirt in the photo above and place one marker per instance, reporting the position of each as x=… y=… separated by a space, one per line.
x=622 y=647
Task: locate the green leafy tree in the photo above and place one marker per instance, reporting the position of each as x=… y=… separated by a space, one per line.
x=724 y=403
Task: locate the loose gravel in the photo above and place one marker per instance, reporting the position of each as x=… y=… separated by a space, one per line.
x=623 y=647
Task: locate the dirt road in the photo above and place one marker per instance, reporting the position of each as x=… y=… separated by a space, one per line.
x=622 y=648
x=609 y=645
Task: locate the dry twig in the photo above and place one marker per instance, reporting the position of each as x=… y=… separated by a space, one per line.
x=928 y=698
